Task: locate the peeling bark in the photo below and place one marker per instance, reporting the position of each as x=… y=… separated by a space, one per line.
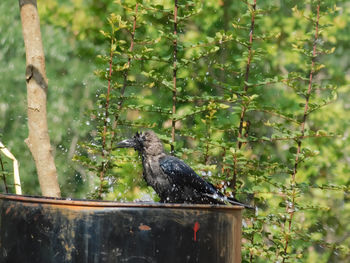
x=38 y=140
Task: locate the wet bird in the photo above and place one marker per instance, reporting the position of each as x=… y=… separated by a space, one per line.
x=172 y=179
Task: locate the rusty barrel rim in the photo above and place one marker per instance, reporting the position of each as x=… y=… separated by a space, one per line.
x=111 y=204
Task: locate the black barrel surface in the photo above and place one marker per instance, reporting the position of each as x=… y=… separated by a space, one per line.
x=38 y=229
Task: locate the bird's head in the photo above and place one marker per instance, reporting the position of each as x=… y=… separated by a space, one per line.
x=144 y=142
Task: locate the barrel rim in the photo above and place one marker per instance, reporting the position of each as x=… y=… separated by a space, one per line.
x=111 y=204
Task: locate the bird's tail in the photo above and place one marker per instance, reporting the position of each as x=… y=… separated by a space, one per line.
x=234 y=201
x=228 y=200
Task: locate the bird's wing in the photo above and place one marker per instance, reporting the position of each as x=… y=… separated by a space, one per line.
x=182 y=174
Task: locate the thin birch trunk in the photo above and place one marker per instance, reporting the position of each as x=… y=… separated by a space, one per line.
x=38 y=140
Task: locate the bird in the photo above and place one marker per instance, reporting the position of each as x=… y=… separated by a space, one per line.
x=173 y=180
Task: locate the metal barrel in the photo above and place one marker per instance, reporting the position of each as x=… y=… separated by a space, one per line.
x=41 y=229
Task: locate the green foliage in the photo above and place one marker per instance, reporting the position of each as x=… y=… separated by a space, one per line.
x=223 y=104
x=241 y=112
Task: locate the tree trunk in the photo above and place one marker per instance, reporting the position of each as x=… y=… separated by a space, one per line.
x=38 y=140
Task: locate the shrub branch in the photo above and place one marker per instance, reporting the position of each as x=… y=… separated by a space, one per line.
x=4 y=175
x=105 y=121
x=173 y=120
x=290 y=206
x=125 y=77
x=244 y=106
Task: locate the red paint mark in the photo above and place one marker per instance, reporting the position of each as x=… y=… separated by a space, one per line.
x=8 y=210
x=195 y=229
x=144 y=228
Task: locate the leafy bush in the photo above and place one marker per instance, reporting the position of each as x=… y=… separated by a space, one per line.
x=241 y=104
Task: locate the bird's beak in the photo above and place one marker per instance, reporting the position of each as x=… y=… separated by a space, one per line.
x=128 y=143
